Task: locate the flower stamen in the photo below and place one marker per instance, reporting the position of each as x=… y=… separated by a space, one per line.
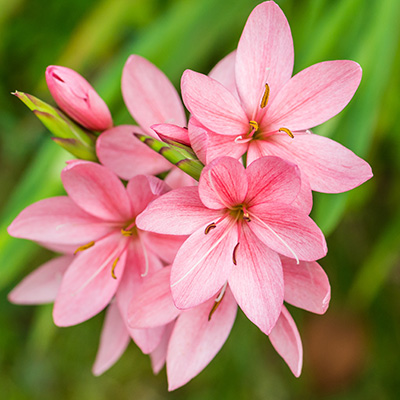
x=254 y=125
x=234 y=254
x=126 y=232
x=286 y=130
x=264 y=100
x=84 y=247
x=209 y=227
x=218 y=301
x=113 y=267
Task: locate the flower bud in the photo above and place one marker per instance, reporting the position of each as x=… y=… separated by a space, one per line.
x=76 y=97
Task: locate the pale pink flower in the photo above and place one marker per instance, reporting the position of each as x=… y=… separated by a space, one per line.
x=239 y=220
x=270 y=113
x=151 y=99
x=98 y=217
x=195 y=336
x=76 y=97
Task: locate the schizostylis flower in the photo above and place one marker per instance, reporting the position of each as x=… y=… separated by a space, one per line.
x=98 y=218
x=239 y=220
x=270 y=112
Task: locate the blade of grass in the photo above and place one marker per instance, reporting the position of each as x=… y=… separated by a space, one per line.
x=355 y=128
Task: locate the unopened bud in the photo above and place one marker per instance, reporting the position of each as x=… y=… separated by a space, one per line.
x=76 y=97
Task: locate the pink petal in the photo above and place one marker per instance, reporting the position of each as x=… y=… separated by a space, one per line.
x=172 y=132
x=329 y=166
x=272 y=179
x=289 y=232
x=287 y=342
x=219 y=146
x=264 y=55
x=313 y=96
x=147 y=339
x=198 y=139
x=58 y=220
x=224 y=73
x=203 y=264
x=87 y=286
x=96 y=190
x=159 y=355
x=223 y=183
x=149 y=95
x=121 y=152
x=164 y=246
x=142 y=190
x=140 y=261
x=261 y=148
x=257 y=281
x=41 y=286
x=114 y=340
x=304 y=200
x=196 y=340
x=213 y=105
x=306 y=285
x=179 y=212
x=152 y=304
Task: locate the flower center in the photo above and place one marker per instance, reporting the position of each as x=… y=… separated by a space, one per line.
x=255 y=133
x=130 y=229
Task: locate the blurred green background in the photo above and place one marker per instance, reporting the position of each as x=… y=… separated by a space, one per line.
x=352 y=352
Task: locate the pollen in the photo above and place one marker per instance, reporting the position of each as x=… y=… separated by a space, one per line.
x=113 y=267
x=254 y=125
x=209 y=227
x=234 y=254
x=264 y=100
x=286 y=130
x=127 y=232
x=84 y=247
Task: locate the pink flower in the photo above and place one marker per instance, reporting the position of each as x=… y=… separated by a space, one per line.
x=113 y=255
x=77 y=98
x=239 y=220
x=270 y=113
x=151 y=99
x=195 y=336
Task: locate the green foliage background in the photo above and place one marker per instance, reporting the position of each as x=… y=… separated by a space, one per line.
x=352 y=352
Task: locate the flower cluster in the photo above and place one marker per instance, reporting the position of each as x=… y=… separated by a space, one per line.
x=171 y=259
